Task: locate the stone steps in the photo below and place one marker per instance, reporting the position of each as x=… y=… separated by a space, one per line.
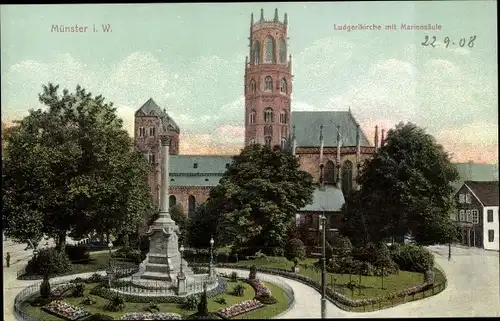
x=156 y=276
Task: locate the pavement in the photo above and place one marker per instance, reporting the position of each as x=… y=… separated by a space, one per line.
x=473 y=289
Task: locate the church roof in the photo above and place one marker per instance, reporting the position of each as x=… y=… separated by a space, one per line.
x=198 y=164
x=151 y=108
x=307 y=128
x=327 y=199
x=208 y=180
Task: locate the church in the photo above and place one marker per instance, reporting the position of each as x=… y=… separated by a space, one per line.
x=330 y=145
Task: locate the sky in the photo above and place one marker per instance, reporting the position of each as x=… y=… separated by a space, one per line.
x=190 y=59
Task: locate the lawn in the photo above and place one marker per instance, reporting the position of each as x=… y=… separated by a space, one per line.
x=371 y=285
x=99 y=307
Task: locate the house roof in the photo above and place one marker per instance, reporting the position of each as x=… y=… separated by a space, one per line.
x=307 y=128
x=328 y=199
x=486 y=191
x=205 y=164
x=151 y=108
x=475 y=172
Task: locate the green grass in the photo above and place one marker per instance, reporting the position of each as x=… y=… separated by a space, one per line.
x=99 y=307
x=371 y=285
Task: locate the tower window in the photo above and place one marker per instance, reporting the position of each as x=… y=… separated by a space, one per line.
x=152 y=131
x=267 y=141
x=268 y=131
x=142 y=131
x=283 y=117
x=151 y=158
x=195 y=165
x=256 y=52
x=283 y=85
x=283 y=142
x=269 y=47
x=284 y=131
x=282 y=51
x=252 y=141
x=253 y=86
x=268 y=84
x=253 y=113
x=268 y=115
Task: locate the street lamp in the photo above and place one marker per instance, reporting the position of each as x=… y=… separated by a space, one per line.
x=323 y=267
x=35 y=253
x=210 y=268
x=181 y=250
x=110 y=246
x=110 y=268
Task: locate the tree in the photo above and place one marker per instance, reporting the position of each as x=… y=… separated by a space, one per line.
x=72 y=168
x=203 y=226
x=258 y=197
x=405 y=188
x=177 y=214
x=383 y=260
x=295 y=248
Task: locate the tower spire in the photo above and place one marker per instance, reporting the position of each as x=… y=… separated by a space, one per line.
x=294 y=141
x=376 y=137
x=251 y=19
x=276 y=15
x=286 y=19
x=261 y=14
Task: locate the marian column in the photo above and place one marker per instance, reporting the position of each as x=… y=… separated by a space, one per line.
x=165 y=149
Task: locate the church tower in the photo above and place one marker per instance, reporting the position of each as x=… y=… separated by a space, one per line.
x=268 y=83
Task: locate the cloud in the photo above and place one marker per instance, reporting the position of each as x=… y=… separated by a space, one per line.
x=224 y=140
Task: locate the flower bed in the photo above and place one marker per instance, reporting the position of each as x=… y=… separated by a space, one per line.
x=260 y=289
x=239 y=308
x=65 y=310
x=151 y=316
x=61 y=289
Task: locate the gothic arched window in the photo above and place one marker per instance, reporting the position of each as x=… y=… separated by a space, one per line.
x=252 y=115
x=191 y=206
x=283 y=142
x=256 y=52
x=268 y=131
x=172 y=201
x=283 y=117
x=268 y=83
x=269 y=50
x=284 y=131
x=283 y=86
x=268 y=115
x=347 y=177
x=252 y=141
x=282 y=51
x=267 y=141
x=253 y=86
x=329 y=173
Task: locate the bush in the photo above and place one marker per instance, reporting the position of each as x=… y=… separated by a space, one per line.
x=220 y=300
x=77 y=253
x=153 y=307
x=253 y=272
x=233 y=277
x=48 y=262
x=295 y=248
x=191 y=302
x=129 y=253
x=116 y=304
x=413 y=258
x=203 y=304
x=266 y=299
x=45 y=288
x=78 y=290
x=88 y=301
x=239 y=290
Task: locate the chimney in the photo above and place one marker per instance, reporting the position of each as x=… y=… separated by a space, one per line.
x=376 y=137
x=382 y=138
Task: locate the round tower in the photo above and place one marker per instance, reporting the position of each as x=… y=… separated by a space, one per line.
x=268 y=83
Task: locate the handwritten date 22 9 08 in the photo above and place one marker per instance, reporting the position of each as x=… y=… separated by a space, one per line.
x=448 y=42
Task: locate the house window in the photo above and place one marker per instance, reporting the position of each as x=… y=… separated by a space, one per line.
x=152 y=131
x=142 y=131
x=151 y=158
x=490 y=216
x=491 y=235
x=461 y=198
x=268 y=115
x=468 y=198
x=268 y=83
x=252 y=116
x=468 y=217
x=462 y=215
x=267 y=141
x=475 y=216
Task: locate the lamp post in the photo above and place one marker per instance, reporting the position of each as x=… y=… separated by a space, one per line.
x=181 y=250
x=323 y=267
x=210 y=267
x=110 y=267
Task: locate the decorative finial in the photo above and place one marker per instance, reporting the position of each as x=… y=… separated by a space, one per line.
x=251 y=19
x=261 y=14
x=321 y=132
x=276 y=15
x=293 y=131
x=286 y=19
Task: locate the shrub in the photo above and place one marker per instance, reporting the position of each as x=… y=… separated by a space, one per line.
x=77 y=253
x=266 y=299
x=220 y=300
x=253 y=272
x=88 y=301
x=48 y=262
x=295 y=248
x=153 y=307
x=191 y=302
x=239 y=290
x=115 y=304
x=413 y=258
x=78 y=290
x=233 y=277
x=203 y=304
x=45 y=288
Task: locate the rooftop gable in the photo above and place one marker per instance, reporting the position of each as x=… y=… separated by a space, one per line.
x=485 y=191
